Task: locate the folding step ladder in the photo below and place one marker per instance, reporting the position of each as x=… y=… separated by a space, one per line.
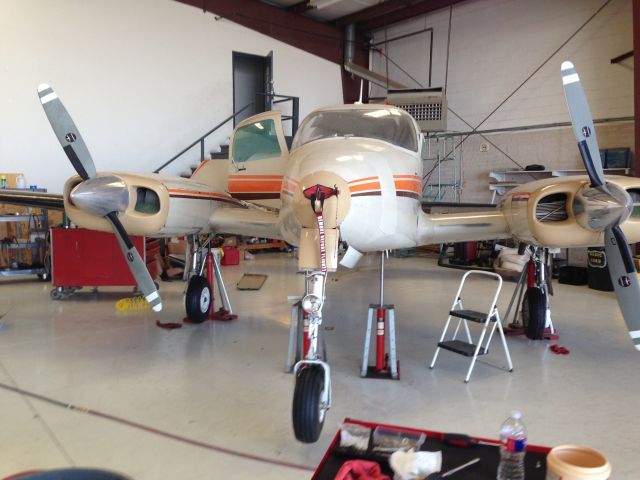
x=468 y=348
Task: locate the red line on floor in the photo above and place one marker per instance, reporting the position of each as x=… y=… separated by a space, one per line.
x=140 y=426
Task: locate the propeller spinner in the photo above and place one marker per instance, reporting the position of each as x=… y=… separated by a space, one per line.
x=613 y=205
x=79 y=156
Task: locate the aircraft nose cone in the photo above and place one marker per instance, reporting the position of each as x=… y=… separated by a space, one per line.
x=101 y=195
x=334 y=209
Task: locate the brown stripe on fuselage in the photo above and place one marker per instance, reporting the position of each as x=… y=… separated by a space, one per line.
x=230 y=200
x=367 y=194
x=255 y=196
x=413 y=195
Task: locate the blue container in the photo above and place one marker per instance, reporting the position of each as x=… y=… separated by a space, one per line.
x=73 y=474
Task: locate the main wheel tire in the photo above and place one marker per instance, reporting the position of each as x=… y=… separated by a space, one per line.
x=534 y=313
x=197 y=299
x=308 y=411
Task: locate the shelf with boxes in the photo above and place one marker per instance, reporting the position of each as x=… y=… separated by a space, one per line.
x=23 y=240
x=23 y=234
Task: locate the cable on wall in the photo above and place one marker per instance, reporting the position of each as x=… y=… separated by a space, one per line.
x=607 y=2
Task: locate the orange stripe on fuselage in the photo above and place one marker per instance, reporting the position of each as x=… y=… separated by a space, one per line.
x=362 y=180
x=408 y=185
x=365 y=186
x=263 y=183
x=416 y=177
x=184 y=191
x=199 y=195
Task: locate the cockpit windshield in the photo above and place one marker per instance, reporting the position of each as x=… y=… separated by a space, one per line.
x=389 y=124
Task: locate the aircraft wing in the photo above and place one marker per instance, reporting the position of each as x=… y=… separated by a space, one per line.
x=245 y=221
x=30 y=198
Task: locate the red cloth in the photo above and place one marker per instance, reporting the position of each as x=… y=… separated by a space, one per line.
x=360 y=470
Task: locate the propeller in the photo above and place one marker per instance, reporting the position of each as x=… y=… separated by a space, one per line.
x=614 y=207
x=79 y=156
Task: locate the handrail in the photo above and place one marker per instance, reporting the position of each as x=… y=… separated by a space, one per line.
x=295 y=108
x=201 y=139
x=294 y=117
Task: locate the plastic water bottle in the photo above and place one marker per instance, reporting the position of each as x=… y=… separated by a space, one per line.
x=21 y=182
x=513 y=445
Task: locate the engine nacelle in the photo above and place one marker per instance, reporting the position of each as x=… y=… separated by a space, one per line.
x=145 y=213
x=546 y=212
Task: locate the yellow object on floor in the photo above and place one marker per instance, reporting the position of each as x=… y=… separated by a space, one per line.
x=129 y=304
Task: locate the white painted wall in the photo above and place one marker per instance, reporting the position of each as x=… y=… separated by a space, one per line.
x=142 y=79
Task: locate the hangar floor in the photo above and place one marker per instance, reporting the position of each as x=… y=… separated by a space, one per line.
x=152 y=392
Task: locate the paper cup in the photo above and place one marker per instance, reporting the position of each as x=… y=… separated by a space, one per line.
x=575 y=462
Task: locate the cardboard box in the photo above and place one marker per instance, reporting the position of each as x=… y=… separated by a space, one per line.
x=231 y=241
x=55 y=217
x=11 y=179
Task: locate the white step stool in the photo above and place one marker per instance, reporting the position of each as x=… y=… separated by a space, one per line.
x=468 y=348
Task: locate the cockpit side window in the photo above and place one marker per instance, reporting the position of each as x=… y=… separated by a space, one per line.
x=255 y=141
x=390 y=125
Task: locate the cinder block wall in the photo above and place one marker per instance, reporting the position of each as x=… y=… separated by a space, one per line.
x=494 y=46
x=553 y=148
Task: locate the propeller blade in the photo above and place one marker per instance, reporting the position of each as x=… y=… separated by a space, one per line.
x=582 y=122
x=136 y=265
x=625 y=280
x=67 y=132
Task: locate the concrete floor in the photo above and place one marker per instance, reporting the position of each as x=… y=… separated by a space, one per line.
x=222 y=384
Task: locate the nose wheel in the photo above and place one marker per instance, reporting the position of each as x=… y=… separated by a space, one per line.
x=310 y=402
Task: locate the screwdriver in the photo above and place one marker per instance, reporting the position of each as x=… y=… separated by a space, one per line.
x=462 y=440
x=439 y=476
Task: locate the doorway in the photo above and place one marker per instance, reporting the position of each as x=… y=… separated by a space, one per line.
x=252 y=79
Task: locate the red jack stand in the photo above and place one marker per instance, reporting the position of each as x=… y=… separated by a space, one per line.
x=213 y=273
x=387 y=365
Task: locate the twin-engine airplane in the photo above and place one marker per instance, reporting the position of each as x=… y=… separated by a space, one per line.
x=353 y=174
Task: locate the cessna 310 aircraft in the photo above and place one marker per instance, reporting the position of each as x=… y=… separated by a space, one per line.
x=353 y=174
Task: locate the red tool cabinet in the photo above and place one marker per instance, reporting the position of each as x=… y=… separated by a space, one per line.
x=81 y=257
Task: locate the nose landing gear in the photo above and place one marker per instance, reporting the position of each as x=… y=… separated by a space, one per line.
x=312 y=393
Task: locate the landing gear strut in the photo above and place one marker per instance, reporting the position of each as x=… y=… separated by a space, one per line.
x=533 y=290
x=312 y=393
x=204 y=271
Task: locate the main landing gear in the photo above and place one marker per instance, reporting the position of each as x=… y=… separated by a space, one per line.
x=533 y=290
x=204 y=272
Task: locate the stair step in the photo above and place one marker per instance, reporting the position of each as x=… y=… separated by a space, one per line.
x=463 y=348
x=219 y=155
x=472 y=315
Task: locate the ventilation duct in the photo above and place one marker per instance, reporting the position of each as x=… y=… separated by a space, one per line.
x=360 y=71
